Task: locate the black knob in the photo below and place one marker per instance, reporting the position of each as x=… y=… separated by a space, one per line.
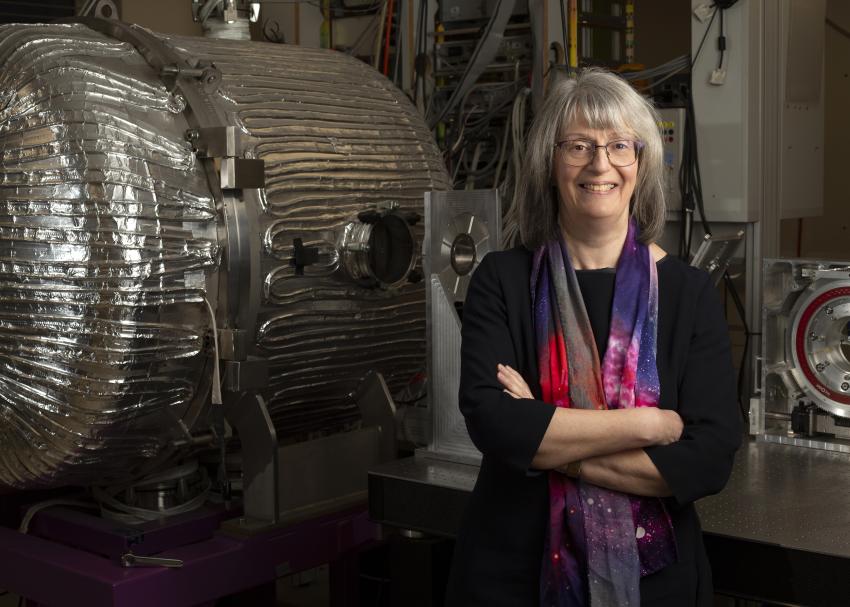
x=303 y=256
x=370 y=216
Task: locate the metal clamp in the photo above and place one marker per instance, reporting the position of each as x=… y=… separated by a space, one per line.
x=223 y=143
x=245 y=375
x=131 y=560
x=208 y=74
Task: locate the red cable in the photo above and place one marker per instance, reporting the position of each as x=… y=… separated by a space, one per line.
x=387 y=39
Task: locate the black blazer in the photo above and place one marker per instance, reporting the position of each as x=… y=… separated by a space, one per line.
x=499 y=549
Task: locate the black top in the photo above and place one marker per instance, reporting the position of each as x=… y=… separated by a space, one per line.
x=597 y=291
x=500 y=545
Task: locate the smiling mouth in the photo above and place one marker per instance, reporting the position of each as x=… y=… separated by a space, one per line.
x=598 y=187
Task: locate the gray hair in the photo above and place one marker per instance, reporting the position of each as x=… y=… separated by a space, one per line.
x=604 y=101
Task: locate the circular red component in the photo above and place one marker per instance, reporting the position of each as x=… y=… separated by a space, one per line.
x=800 y=343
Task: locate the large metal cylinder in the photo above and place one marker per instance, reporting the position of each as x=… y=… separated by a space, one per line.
x=130 y=219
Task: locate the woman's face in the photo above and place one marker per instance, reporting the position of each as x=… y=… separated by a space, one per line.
x=598 y=193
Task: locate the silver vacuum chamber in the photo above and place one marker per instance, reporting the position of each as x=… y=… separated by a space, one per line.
x=169 y=204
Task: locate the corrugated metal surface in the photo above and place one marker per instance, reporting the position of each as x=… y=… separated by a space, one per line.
x=107 y=229
x=337 y=138
x=110 y=243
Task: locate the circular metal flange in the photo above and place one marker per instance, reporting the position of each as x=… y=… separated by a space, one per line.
x=465 y=240
x=236 y=304
x=380 y=252
x=819 y=345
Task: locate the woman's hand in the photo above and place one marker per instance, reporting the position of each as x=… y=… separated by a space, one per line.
x=513 y=382
x=657 y=426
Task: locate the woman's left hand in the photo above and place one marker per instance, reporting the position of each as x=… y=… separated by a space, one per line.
x=513 y=382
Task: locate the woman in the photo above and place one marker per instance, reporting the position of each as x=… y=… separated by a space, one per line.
x=596 y=377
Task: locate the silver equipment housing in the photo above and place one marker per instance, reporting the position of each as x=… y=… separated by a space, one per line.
x=193 y=229
x=461 y=227
x=805 y=365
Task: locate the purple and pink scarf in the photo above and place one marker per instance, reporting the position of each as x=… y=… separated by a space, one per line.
x=600 y=542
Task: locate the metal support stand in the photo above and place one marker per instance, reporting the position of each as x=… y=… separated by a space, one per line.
x=378 y=409
x=251 y=419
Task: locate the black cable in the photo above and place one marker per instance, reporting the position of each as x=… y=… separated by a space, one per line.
x=704 y=36
x=397 y=40
x=564 y=28
x=837 y=28
x=419 y=67
x=689 y=185
x=697 y=174
x=411 y=401
x=739 y=306
x=690 y=182
x=721 y=41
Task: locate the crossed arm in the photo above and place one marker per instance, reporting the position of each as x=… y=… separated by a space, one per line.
x=609 y=444
x=644 y=451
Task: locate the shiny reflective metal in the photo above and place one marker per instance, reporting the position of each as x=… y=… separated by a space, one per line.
x=260 y=464
x=805 y=354
x=123 y=255
x=132 y=560
x=461 y=228
x=245 y=375
x=380 y=248
x=220 y=18
x=241 y=173
x=102 y=9
x=285 y=484
x=820 y=366
x=715 y=253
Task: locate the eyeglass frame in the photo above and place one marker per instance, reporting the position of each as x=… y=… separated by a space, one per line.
x=638 y=147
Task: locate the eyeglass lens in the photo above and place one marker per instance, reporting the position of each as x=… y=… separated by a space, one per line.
x=579 y=152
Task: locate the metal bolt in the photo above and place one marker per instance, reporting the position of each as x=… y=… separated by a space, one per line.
x=828 y=310
x=845 y=386
x=814 y=336
x=820 y=367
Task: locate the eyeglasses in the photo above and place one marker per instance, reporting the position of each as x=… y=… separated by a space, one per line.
x=580 y=152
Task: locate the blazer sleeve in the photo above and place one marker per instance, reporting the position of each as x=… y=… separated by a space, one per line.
x=699 y=463
x=501 y=427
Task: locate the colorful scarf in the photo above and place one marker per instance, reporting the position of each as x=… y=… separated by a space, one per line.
x=600 y=542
